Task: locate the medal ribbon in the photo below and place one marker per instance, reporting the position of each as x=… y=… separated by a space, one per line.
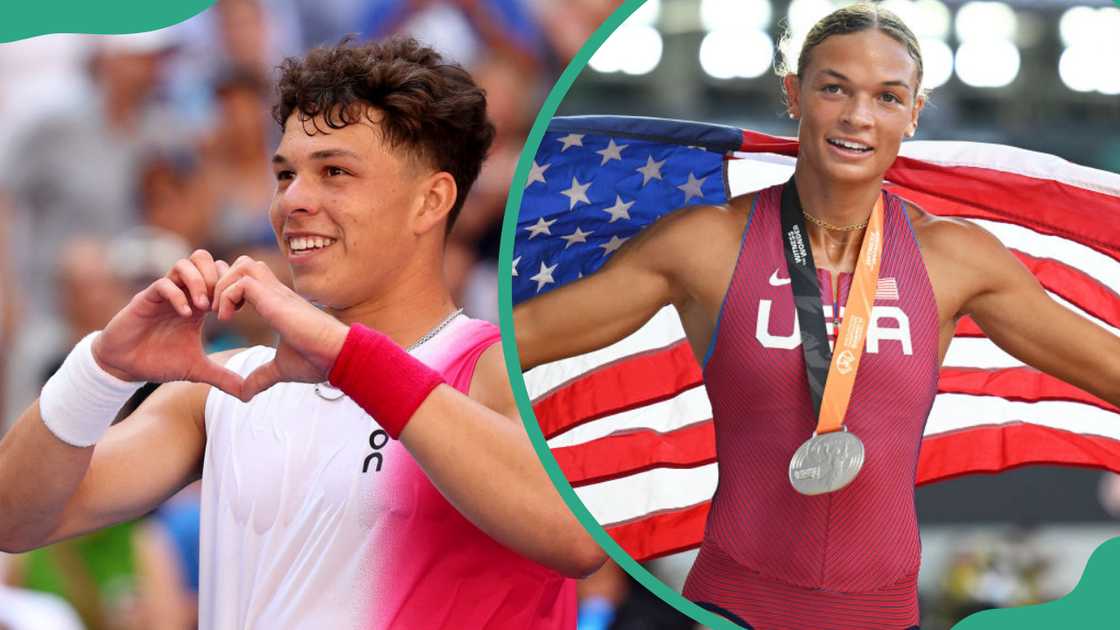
x=830 y=388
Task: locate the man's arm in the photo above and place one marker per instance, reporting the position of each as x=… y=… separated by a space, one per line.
x=685 y=253
x=475 y=450
x=50 y=490
x=1016 y=313
x=479 y=458
x=54 y=482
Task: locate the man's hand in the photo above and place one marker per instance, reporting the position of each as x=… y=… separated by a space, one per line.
x=310 y=339
x=157 y=337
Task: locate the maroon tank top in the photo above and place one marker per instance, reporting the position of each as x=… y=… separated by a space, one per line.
x=772 y=556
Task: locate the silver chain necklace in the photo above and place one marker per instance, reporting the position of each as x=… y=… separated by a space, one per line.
x=337 y=393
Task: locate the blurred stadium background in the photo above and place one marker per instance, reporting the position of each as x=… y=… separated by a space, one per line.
x=1036 y=74
x=120 y=154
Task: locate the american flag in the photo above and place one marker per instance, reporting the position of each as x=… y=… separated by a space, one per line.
x=887 y=290
x=630 y=425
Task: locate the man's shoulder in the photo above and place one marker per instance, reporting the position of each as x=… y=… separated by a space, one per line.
x=490 y=385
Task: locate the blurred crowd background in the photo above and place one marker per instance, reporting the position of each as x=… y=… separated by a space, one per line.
x=121 y=154
x=1036 y=74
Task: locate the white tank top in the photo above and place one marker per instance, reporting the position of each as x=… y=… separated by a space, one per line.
x=305 y=524
x=293 y=504
x=286 y=520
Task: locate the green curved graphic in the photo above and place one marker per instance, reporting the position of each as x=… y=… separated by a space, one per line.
x=1086 y=607
x=29 y=19
x=509 y=346
x=1091 y=604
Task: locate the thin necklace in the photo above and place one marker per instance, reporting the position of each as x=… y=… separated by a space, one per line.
x=319 y=387
x=836 y=228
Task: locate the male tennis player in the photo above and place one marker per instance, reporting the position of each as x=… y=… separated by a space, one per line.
x=435 y=512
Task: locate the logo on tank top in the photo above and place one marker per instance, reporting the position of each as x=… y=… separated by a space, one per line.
x=888 y=324
x=377 y=440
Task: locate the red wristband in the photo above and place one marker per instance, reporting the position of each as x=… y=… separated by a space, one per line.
x=385 y=381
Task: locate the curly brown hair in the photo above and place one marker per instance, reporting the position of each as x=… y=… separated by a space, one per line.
x=430 y=108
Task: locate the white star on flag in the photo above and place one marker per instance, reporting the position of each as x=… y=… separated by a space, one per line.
x=515 y=261
x=540 y=227
x=652 y=170
x=619 y=210
x=612 y=152
x=691 y=188
x=579 y=236
x=571 y=140
x=577 y=193
x=612 y=245
x=544 y=276
x=536 y=174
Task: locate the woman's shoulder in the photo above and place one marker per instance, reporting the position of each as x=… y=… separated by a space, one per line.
x=954 y=236
x=702 y=222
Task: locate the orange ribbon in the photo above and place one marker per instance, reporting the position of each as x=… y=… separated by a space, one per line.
x=848 y=349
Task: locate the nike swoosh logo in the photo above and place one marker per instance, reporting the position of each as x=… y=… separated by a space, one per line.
x=775 y=281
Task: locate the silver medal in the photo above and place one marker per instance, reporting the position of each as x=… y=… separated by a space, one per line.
x=826 y=462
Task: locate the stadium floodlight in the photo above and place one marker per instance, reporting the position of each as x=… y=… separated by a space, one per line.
x=609 y=56
x=1104 y=67
x=634 y=48
x=1108 y=27
x=1092 y=38
x=717 y=54
x=647 y=14
x=803 y=14
x=932 y=19
x=728 y=53
x=927 y=18
x=1109 y=84
x=991 y=63
x=937 y=60
x=1077 y=25
x=740 y=14
x=644 y=45
x=986 y=21
x=1075 y=67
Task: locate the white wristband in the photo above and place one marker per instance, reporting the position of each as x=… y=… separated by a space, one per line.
x=80 y=400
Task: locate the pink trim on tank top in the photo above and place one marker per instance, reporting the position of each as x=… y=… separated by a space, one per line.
x=442 y=571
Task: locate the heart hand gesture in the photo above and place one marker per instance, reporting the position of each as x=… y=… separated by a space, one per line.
x=310 y=339
x=157 y=337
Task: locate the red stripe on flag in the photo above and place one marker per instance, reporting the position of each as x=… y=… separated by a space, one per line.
x=662 y=533
x=980 y=449
x=1022 y=384
x=631 y=382
x=629 y=452
x=1045 y=205
x=1073 y=221
x=994 y=448
x=966 y=327
x=1075 y=286
x=755 y=142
